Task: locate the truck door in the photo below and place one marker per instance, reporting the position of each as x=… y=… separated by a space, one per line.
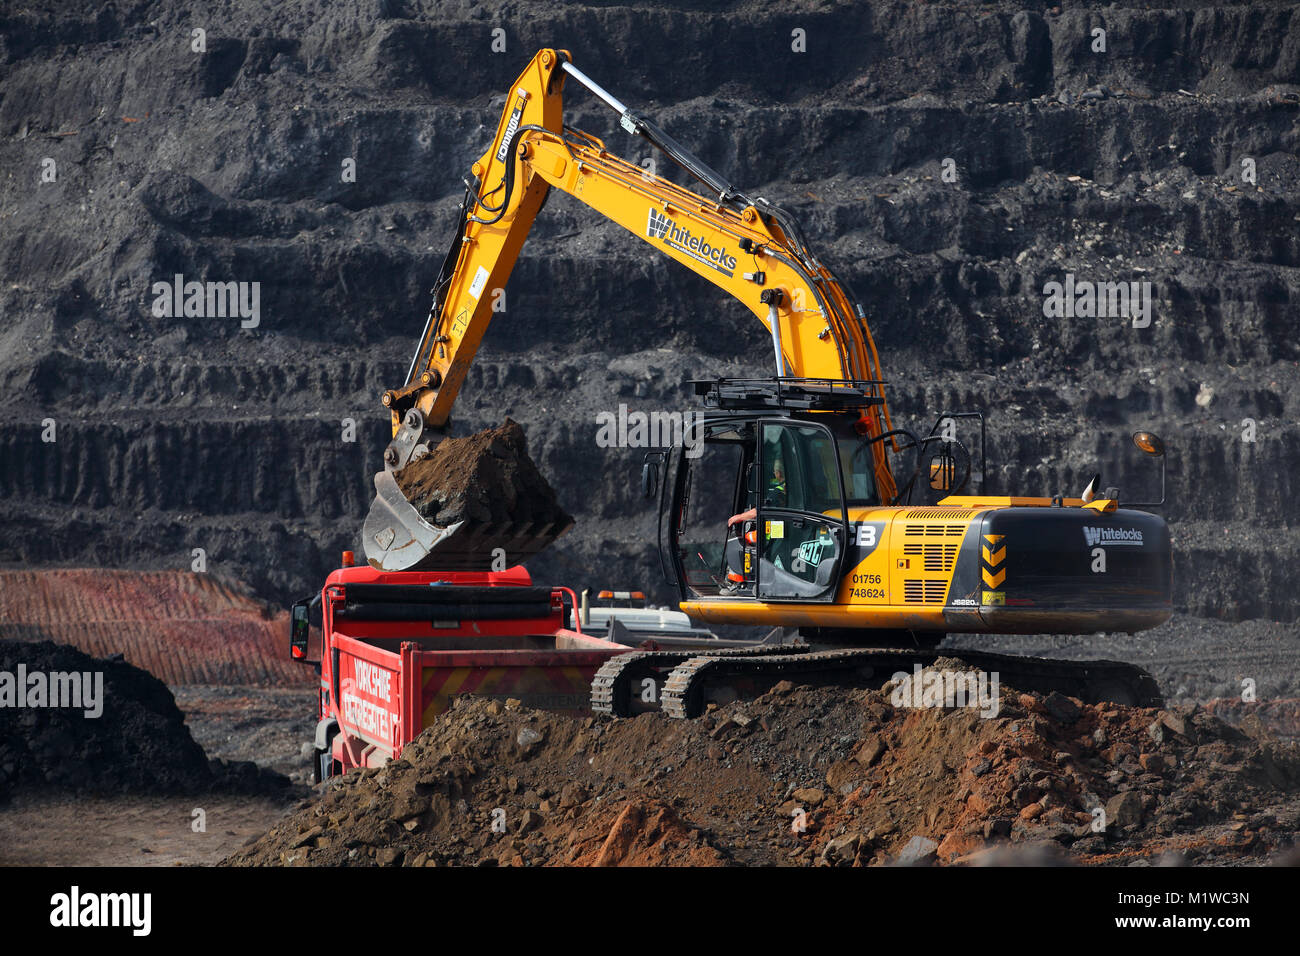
x=802 y=528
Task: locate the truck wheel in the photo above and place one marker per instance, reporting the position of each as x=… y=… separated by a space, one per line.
x=320 y=769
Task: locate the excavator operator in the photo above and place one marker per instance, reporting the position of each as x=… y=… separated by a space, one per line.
x=775 y=496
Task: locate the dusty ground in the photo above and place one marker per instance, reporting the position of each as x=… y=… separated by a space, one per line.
x=1192 y=658
x=270 y=726
x=130 y=831
x=231 y=723
x=1198 y=662
x=122 y=788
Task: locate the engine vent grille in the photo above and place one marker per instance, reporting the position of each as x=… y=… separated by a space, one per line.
x=921 y=591
x=936 y=556
x=933 y=530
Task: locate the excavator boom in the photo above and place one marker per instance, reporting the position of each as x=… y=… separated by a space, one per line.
x=749 y=248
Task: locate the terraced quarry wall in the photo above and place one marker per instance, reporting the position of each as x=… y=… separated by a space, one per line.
x=180 y=433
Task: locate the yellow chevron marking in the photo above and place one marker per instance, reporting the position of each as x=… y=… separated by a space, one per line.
x=993 y=580
x=994 y=557
x=994 y=538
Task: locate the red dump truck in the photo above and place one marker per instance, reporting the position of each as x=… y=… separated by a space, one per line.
x=396 y=647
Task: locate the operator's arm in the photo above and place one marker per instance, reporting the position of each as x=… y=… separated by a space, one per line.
x=750 y=515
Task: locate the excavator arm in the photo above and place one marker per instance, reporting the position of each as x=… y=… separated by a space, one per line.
x=747 y=247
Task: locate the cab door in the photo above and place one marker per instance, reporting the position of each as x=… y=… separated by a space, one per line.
x=802 y=524
x=709 y=486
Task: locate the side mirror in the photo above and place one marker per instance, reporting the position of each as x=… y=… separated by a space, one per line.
x=650 y=473
x=649 y=480
x=299 y=630
x=943 y=472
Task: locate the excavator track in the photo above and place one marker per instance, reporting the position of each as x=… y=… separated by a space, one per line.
x=684 y=691
x=703 y=679
x=695 y=678
x=611 y=688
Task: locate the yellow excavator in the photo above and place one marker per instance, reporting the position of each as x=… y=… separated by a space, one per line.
x=781 y=506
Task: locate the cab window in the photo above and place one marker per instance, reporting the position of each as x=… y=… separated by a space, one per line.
x=800 y=471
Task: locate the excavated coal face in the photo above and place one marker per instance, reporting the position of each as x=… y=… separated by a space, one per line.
x=950 y=162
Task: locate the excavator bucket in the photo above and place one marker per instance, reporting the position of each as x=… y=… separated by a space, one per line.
x=396 y=537
x=472 y=504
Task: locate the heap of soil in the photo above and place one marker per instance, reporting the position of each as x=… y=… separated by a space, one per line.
x=806 y=776
x=138 y=744
x=484 y=478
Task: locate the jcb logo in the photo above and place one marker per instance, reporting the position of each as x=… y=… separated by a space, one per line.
x=865 y=535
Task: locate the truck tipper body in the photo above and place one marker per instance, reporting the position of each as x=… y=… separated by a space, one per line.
x=397 y=647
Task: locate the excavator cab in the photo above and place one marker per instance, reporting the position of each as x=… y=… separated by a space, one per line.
x=851 y=558
x=786 y=472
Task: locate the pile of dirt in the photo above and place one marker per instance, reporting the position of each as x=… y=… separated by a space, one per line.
x=1275 y=719
x=120 y=733
x=1097 y=783
x=485 y=478
x=806 y=776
